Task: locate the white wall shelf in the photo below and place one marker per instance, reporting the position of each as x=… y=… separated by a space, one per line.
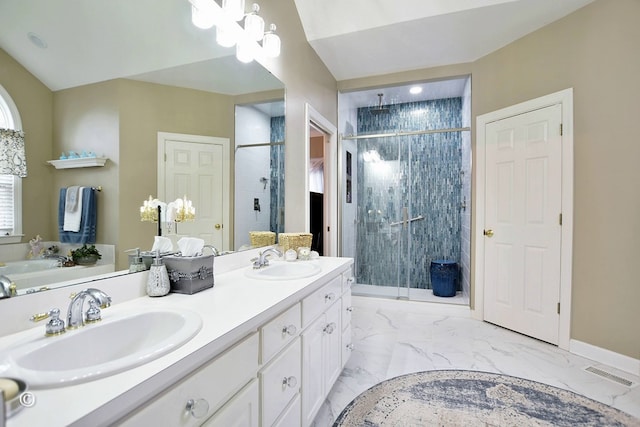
x=82 y=162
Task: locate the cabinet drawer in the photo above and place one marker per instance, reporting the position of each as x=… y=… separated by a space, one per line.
x=212 y=385
x=280 y=382
x=317 y=302
x=347 y=309
x=280 y=331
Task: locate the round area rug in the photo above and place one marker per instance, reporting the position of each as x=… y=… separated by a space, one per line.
x=471 y=398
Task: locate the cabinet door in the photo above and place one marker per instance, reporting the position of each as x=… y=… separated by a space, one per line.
x=280 y=382
x=312 y=370
x=347 y=345
x=210 y=386
x=332 y=347
x=347 y=309
x=240 y=411
x=291 y=416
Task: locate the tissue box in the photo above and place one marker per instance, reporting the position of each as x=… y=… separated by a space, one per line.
x=189 y=275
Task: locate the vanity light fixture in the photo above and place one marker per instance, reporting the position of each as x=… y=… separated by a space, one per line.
x=235 y=28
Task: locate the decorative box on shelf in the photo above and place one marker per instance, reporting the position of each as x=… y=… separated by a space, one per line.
x=80 y=162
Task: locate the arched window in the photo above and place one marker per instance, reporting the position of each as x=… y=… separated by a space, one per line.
x=10 y=185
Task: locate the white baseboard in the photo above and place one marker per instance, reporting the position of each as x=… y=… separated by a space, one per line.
x=606 y=357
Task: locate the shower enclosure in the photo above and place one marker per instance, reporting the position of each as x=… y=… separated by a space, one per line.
x=405 y=195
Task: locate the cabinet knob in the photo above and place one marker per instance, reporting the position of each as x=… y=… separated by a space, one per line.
x=198 y=408
x=350 y=281
x=329 y=328
x=289 y=382
x=350 y=347
x=289 y=330
x=329 y=297
x=350 y=309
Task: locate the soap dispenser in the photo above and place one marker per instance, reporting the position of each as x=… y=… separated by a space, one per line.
x=135 y=261
x=158 y=284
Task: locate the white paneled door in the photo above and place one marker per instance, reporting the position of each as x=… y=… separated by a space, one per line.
x=522 y=235
x=195 y=167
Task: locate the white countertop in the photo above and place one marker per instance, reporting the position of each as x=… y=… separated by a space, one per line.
x=235 y=307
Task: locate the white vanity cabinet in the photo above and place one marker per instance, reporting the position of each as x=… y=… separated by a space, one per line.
x=277 y=375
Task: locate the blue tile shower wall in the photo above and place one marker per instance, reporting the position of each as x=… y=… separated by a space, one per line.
x=277 y=175
x=419 y=172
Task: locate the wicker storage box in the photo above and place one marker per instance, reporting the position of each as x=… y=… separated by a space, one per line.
x=189 y=275
x=259 y=239
x=294 y=241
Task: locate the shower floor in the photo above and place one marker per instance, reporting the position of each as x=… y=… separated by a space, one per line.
x=425 y=295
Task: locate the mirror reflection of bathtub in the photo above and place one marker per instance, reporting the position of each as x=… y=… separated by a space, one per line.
x=33 y=275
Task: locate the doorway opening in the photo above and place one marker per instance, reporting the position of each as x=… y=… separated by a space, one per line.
x=406 y=187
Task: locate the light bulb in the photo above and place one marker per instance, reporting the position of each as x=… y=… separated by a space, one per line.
x=202 y=19
x=234 y=9
x=271 y=42
x=244 y=52
x=225 y=37
x=254 y=24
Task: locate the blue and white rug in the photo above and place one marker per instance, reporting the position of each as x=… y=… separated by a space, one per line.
x=471 y=398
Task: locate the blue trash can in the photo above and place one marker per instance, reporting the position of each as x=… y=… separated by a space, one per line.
x=444 y=278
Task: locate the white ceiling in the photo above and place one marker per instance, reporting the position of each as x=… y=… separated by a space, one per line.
x=359 y=38
x=153 y=40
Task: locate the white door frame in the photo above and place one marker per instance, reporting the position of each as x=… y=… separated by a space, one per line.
x=226 y=185
x=317 y=120
x=565 y=98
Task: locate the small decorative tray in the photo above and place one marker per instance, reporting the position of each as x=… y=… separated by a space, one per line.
x=80 y=162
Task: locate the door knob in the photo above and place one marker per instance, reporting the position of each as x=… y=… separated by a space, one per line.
x=217 y=226
x=488 y=233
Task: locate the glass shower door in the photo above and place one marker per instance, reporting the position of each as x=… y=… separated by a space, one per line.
x=381 y=236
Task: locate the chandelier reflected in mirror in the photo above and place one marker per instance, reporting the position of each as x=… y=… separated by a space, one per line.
x=180 y=210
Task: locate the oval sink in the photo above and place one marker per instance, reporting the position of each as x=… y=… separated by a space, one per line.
x=101 y=349
x=284 y=270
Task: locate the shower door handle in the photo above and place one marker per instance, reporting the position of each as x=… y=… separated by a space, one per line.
x=406 y=221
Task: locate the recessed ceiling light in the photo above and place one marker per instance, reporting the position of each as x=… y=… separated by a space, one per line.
x=37 y=40
x=415 y=90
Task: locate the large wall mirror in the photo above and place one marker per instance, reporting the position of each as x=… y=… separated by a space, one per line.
x=181 y=83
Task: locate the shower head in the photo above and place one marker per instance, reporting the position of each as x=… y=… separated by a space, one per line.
x=379 y=109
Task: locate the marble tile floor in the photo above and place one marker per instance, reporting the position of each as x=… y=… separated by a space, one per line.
x=395 y=337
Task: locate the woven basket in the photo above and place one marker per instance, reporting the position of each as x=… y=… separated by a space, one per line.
x=294 y=241
x=259 y=239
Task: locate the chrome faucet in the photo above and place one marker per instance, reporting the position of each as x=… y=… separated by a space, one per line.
x=262 y=260
x=213 y=249
x=7 y=288
x=97 y=299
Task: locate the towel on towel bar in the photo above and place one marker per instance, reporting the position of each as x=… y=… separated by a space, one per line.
x=88 y=217
x=73 y=209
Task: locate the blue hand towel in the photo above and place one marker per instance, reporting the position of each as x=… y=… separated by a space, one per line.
x=88 y=221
